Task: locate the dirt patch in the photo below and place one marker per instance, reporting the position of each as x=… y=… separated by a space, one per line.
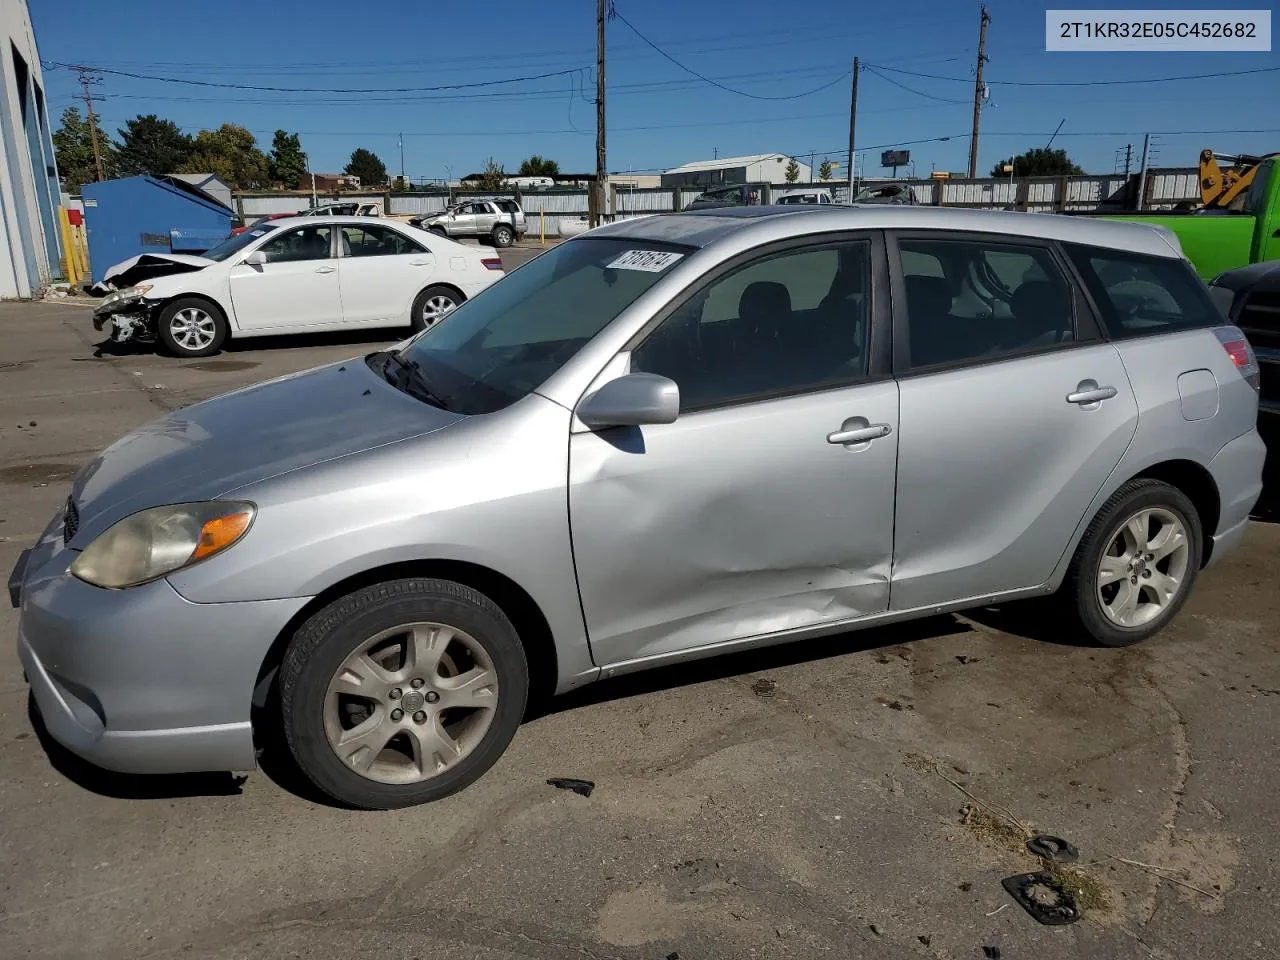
x=632 y=918
x=222 y=366
x=991 y=829
x=1089 y=893
x=8 y=366
x=38 y=472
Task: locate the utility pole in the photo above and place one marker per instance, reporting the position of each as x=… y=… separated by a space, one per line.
x=602 y=174
x=977 y=94
x=853 y=125
x=1128 y=160
x=1142 y=176
x=88 y=76
x=401 y=138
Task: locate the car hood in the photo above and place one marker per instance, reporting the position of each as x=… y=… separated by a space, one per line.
x=148 y=265
x=1259 y=276
x=215 y=447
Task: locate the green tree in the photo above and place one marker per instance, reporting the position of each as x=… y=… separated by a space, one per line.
x=73 y=145
x=1039 y=162
x=538 y=166
x=230 y=153
x=825 y=170
x=793 y=171
x=493 y=176
x=152 y=146
x=366 y=165
x=288 y=162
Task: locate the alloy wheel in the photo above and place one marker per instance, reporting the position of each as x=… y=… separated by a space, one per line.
x=1144 y=568
x=410 y=702
x=436 y=308
x=192 y=328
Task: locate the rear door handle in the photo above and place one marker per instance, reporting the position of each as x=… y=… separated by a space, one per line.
x=872 y=431
x=1088 y=391
x=324 y=269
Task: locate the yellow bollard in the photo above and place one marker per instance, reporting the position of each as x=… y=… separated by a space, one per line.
x=68 y=248
x=542 y=229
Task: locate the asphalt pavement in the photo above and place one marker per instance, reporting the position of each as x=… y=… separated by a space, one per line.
x=849 y=797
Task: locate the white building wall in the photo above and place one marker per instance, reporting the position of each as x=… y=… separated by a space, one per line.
x=27 y=235
x=774 y=170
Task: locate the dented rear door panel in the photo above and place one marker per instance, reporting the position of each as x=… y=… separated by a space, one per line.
x=733 y=523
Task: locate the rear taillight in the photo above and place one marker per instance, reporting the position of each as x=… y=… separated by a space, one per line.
x=1238 y=349
x=492 y=263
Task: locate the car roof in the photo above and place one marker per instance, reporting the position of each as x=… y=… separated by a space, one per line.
x=305 y=221
x=700 y=228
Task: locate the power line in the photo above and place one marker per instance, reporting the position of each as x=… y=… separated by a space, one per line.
x=1086 y=83
x=274 y=89
x=714 y=83
x=918 y=93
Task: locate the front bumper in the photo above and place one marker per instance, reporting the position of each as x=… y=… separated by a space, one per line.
x=142 y=680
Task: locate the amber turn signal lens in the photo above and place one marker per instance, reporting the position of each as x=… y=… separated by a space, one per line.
x=221 y=532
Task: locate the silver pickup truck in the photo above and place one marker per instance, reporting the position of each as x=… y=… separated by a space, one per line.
x=499 y=221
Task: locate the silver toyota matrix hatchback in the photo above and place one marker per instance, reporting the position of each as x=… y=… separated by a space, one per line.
x=668 y=438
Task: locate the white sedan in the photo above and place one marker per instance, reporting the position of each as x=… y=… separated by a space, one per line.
x=293 y=275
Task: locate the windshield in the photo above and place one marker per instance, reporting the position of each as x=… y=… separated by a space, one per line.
x=233 y=245
x=503 y=344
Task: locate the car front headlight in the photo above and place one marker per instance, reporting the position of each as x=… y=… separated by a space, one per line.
x=127 y=293
x=154 y=543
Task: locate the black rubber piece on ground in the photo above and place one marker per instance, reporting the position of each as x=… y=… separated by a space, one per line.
x=1061 y=911
x=581 y=787
x=1051 y=848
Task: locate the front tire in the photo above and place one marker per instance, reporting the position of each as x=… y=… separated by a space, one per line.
x=190 y=327
x=402 y=693
x=1136 y=563
x=433 y=305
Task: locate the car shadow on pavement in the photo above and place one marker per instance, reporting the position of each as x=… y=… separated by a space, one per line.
x=747 y=662
x=127 y=786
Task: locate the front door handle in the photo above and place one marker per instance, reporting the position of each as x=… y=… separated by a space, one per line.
x=1088 y=391
x=324 y=269
x=419 y=263
x=859 y=434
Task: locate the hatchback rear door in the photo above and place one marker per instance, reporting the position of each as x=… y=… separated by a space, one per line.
x=1014 y=413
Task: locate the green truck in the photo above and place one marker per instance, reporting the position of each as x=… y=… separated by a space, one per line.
x=1217 y=240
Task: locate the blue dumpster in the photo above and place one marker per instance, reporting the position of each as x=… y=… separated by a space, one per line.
x=134 y=215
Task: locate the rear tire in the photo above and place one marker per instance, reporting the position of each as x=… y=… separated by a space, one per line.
x=190 y=327
x=402 y=692
x=433 y=305
x=503 y=236
x=1136 y=564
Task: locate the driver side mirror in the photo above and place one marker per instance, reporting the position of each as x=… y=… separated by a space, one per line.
x=256 y=259
x=633 y=400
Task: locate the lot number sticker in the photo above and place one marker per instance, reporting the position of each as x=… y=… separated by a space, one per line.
x=650 y=261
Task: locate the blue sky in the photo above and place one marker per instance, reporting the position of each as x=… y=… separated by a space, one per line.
x=659 y=116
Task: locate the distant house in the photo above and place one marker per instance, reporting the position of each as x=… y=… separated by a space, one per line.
x=328 y=182
x=757 y=168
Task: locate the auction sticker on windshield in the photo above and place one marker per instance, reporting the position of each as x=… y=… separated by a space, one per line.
x=650 y=261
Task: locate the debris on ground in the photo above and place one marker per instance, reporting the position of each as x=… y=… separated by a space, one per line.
x=925 y=939
x=581 y=787
x=1051 y=848
x=967 y=660
x=992 y=953
x=875 y=929
x=763 y=687
x=1043 y=896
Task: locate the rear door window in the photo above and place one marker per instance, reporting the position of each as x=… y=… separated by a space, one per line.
x=1140 y=295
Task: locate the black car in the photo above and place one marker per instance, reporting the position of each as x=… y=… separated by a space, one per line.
x=1250 y=297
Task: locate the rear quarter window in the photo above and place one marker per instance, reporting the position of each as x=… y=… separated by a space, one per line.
x=1140 y=296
